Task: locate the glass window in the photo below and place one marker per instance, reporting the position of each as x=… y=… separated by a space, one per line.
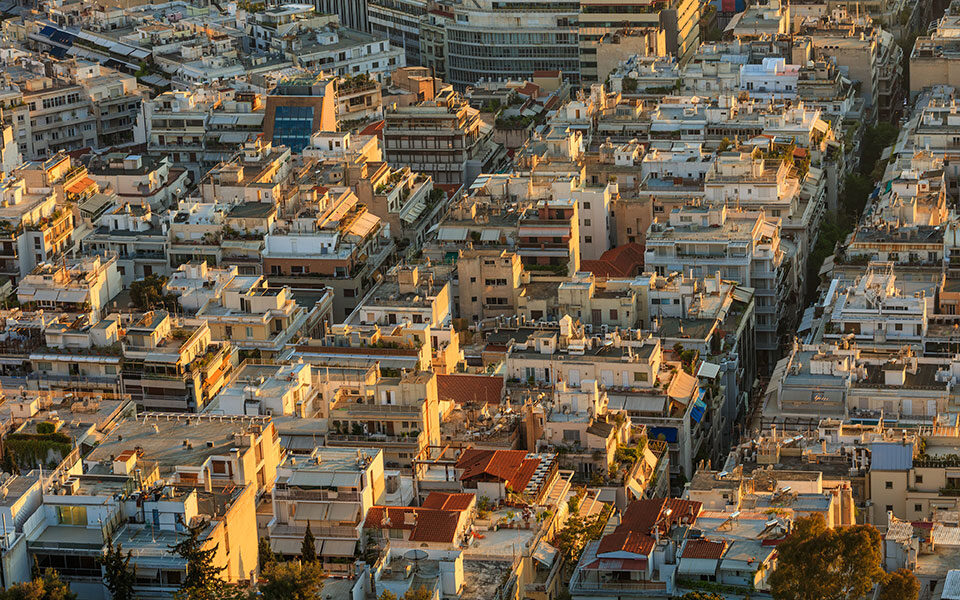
x=72 y=515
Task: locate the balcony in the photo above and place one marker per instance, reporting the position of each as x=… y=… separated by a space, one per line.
x=318 y=495
x=380 y=440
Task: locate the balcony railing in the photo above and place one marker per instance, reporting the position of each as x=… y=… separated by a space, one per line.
x=315 y=495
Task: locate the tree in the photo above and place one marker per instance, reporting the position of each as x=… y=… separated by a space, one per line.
x=117 y=575
x=387 y=595
x=421 y=593
x=265 y=554
x=308 y=550
x=817 y=563
x=147 y=294
x=47 y=587
x=902 y=584
x=202 y=580
x=291 y=581
x=701 y=596
x=571 y=540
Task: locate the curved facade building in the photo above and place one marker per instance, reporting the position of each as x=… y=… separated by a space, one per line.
x=497 y=39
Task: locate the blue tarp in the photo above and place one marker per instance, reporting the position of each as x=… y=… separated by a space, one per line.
x=669 y=433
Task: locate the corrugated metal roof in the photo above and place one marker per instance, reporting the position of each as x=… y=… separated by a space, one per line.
x=891 y=456
x=951 y=586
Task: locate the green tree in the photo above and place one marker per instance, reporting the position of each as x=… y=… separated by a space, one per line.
x=421 y=593
x=8 y=463
x=902 y=584
x=818 y=563
x=578 y=530
x=202 y=580
x=291 y=580
x=308 y=549
x=701 y=596
x=147 y=294
x=265 y=554
x=117 y=574
x=47 y=587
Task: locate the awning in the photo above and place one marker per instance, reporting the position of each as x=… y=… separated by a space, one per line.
x=699 y=408
x=490 y=235
x=634 y=486
x=452 y=234
x=699 y=566
x=311 y=511
x=339 y=547
x=344 y=511
x=545 y=554
x=45 y=295
x=286 y=546
x=73 y=296
x=708 y=370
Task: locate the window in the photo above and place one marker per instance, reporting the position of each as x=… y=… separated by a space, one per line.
x=919 y=479
x=473 y=299
x=228 y=331
x=72 y=515
x=292 y=126
x=888 y=485
x=588 y=239
x=586 y=206
x=249 y=332
x=917 y=507
x=613 y=314
x=889 y=508
x=639 y=376
x=349 y=293
x=898 y=326
x=586 y=222
x=44 y=366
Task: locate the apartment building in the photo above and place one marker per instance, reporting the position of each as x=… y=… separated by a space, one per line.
x=132 y=235
x=443 y=138
x=171 y=364
x=487 y=41
x=139 y=179
x=255 y=317
x=742 y=246
x=399 y=22
x=398 y=414
x=297 y=107
x=548 y=237
x=34 y=227
x=262 y=389
x=198 y=129
x=329 y=491
x=82 y=286
x=340 y=247
x=677 y=21
x=932 y=56
x=490 y=282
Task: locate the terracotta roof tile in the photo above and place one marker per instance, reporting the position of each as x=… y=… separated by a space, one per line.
x=626 y=541
x=435 y=526
x=704 y=549
x=466 y=389
x=623 y=261
x=448 y=501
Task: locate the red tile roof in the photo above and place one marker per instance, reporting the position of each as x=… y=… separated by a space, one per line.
x=435 y=526
x=424 y=524
x=467 y=389
x=374 y=129
x=634 y=534
x=529 y=89
x=622 y=261
x=626 y=541
x=509 y=466
x=546 y=73
x=704 y=549
x=447 y=501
